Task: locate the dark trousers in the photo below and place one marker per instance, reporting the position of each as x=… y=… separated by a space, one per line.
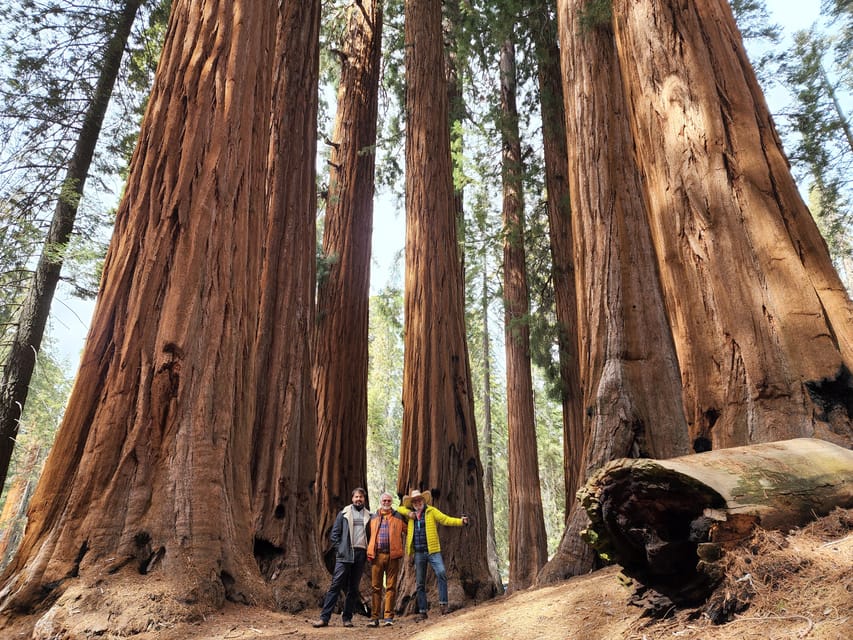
x=347 y=575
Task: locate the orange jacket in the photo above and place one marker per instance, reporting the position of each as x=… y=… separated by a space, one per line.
x=397 y=527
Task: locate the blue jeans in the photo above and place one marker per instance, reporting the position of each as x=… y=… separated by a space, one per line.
x=437 y=563
x=347 y=576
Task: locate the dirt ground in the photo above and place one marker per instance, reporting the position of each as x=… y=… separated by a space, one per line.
x=799 y=586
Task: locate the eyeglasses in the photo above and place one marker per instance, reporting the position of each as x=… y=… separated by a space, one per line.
x=386 y=501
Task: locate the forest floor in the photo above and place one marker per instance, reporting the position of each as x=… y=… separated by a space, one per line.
x=795 y=586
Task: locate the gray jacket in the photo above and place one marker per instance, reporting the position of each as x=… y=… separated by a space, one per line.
x=342 y=534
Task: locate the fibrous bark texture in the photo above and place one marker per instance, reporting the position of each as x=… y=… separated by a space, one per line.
x=438 y=450
x=340 y=330
x=762 y=324
x=628 y=369
x=149 y=479
x=528 y=547
x=285 y=428
x=659 y=519
x=560 y=232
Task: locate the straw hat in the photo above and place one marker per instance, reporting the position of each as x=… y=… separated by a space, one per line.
x=407 y=500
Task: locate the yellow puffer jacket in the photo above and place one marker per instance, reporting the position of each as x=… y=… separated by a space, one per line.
x=432 y=518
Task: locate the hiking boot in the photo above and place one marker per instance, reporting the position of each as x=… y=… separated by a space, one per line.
x=444 y=609
x=373 y=623
x=387 y=622
x=347 y=623
x=422 y=615
x=320 y=623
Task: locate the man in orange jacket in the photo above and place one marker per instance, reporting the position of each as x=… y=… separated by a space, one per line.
x=386 y=532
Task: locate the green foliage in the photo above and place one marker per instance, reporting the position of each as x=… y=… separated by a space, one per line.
x=47 y=81
x=134 y=87
x=49 y=391
x=325 y=264
x=596 y=14
x=824 y=148
x=384 y=390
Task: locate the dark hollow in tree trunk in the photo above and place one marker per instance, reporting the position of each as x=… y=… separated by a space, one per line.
x=661 y=519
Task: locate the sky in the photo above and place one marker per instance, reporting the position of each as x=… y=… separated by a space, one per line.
x=70 y=316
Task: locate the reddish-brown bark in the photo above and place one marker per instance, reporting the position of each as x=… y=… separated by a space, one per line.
x=762 y=324
x=627 y=359
x=285 y=430
x=439 y=440
x=562 y=239
x=340 y=329
x=528 y=546
x=149 y=480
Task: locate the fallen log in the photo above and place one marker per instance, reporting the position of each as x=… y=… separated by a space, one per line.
x=667 y=521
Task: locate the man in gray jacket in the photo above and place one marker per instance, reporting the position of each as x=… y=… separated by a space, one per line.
x=349 y=538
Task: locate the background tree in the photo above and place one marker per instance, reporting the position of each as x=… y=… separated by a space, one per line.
x=439 y=443
x=543 y=28
x=528 y=548
x=384 y=390
x=340 y=332
x=19 y=361
x=48 y=393
x=151 y=473
x=824 y=146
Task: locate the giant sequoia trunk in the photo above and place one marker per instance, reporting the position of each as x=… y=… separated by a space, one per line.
x=438 y=450
x=20 y=359
x=528 y=546
x=285 y=434
x=562 y=240
x=149 y=482
x=762 y=324
x=626 y=353
x=340 y=331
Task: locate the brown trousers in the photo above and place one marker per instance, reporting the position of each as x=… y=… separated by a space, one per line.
x=383 y=565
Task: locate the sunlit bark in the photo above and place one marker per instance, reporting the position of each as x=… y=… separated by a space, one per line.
x=149 y=480
x=762 y=324
x=629 y=373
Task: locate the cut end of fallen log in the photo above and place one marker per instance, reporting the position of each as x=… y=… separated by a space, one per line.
x=665 y=521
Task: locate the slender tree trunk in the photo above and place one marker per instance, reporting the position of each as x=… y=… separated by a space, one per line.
x=528 y=545
x=488 y=438
x=21 y=358
x=341 y=326
x=562 y=240
x=748 y=280
x=149 y=482
x=627 y=360
x=285 y=432
x=438 y=450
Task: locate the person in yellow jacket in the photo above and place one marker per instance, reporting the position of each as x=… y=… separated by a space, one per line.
x=386 y=532
x=422 y=542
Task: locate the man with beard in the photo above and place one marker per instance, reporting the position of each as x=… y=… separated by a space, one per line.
x=349 y=538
